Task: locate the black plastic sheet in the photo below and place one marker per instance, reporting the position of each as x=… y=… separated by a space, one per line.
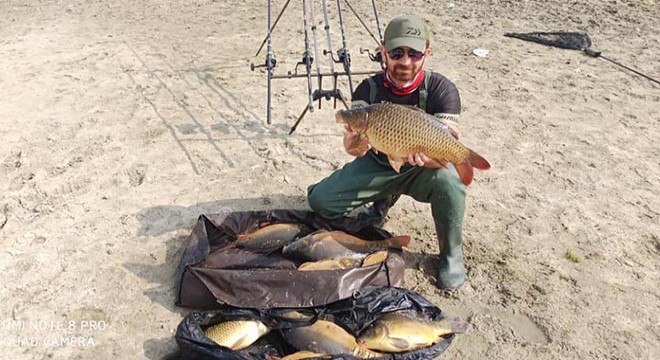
x=355 y=314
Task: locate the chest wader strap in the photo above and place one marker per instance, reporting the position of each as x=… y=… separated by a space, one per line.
x=423 y=91
x=372 y=90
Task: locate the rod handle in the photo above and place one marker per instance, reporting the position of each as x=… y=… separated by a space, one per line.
x=591 y=52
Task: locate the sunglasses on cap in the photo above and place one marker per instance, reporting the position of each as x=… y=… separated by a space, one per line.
x=397 y=53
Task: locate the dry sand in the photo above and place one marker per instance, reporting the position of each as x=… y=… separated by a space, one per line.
x=123 y=121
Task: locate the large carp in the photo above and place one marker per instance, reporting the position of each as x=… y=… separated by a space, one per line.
x=268 y=238
x=377 y=257
x=399 y=332
x=322 y=245
x=398 y=131
x=325 y=337
x=236 y=334
x=299 y=355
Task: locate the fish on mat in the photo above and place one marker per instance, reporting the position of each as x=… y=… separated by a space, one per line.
x=236 y=334
x=299 y=355
x=375 y=258
x=331 y=264
x=401 y=331
x=398 y=131
x=326 y=337
x=236 y=258
x=345 y=263
x=322 y=245
x=268 y=238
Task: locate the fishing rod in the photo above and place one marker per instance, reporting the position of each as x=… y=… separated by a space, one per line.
x=307 y=59
x=270 y=29
x=316 y=47
x=378 y=57
x=269 y=67
x=362 y=22
x=597 y=54
x=343 y=54
x=332 y=62
x=269 y=64
x=380 y=33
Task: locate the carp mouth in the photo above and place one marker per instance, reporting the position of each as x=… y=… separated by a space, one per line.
x=355 y=118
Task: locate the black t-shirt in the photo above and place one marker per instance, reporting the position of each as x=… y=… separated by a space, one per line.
x=442 y=95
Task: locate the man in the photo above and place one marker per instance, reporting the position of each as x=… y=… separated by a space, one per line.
x=370 y=177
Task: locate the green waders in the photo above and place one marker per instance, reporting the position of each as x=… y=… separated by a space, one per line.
x=371 y=178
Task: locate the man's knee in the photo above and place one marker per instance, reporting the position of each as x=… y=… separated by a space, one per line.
x=447 y=183
x=318 y=201
x=439 y=186
x=314 y=199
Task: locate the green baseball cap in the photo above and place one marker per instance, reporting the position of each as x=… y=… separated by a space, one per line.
x=406 y=30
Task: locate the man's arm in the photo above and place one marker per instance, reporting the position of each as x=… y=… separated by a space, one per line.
x=451 y=120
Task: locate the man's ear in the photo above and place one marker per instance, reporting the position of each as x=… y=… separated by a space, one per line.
x=428 y=52
x=383 y=52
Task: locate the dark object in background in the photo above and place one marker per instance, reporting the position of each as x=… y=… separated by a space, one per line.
x=564 y=40
x=355 y=314
x=204 y=283
x=573 y=41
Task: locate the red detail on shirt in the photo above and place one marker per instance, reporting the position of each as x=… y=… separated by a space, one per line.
x=404 y=90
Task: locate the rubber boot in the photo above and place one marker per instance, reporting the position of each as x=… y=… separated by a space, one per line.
x=448 y=218
x=451 y=272
x=448 y=208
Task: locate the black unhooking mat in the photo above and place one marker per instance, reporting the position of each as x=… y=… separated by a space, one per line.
x=355 y=314
x=204 y=282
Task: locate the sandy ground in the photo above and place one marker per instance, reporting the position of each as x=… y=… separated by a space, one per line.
x=123 y=121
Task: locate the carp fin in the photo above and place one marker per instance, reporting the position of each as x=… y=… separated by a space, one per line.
x=399 y=343
x=478 y=161
x=412 y=107
x=374 y=258
x=239 y=343
x=452 y=132
x=396 y=164
x=465 y=172
x=466 y=168
x=452 y=325
x=399 y=241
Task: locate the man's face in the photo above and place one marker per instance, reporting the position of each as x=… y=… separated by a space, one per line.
x=404 y=63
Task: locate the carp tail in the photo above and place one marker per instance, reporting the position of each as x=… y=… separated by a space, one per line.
x=452 y=325
x=466 y=168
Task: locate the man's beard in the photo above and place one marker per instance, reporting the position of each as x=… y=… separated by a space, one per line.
x=403 y=74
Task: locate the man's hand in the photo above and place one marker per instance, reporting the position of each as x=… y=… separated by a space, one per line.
x=420 y=159
x=355 y=144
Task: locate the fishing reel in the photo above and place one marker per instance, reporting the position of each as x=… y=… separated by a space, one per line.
x=342 y=56
x=307 y=60
x=376 y=56
x=268 y=66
